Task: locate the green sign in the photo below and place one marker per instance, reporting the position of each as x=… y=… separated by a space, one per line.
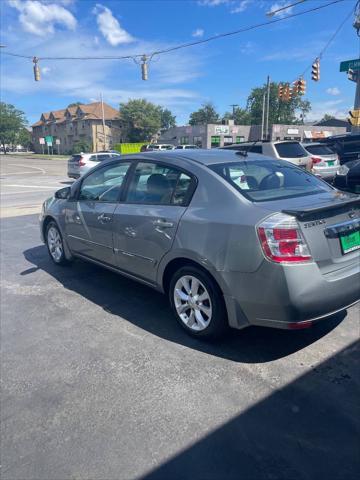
x=350 y=65
x=49 y=140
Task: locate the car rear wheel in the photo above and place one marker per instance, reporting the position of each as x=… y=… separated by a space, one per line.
x=54 y=243
x=197 y=303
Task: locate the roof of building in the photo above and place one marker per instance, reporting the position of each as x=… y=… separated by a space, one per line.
x=333 y=122
x=94 y=110
x=90 y=111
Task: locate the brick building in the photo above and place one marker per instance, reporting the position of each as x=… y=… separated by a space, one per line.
x=81 y=123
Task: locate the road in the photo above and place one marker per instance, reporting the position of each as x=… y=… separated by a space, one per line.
x=99 y=381
x=26 y=182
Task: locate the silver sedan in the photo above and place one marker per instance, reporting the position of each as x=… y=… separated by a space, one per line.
x=233 y=239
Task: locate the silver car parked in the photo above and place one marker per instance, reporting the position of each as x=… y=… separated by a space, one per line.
x=325 y=162
x=232 y=239
x=81 y=163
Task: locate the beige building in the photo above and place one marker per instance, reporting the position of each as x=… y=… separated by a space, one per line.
x=82 y=123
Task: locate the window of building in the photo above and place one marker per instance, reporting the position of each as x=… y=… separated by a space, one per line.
x=228 y=140
x=215 y=141
x=198 y=141
x=184 y=140
x=240 y=139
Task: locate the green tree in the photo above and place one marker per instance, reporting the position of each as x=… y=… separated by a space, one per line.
x=205 y=114
x=141 y=119
x=241 y=116
x=81 y=146
x=168 y=120
x=75 y=104
x=290 y=112
x=327 y=117
x=23 y=138
x=12 y=122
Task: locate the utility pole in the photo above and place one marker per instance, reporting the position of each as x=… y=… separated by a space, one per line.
x=263 y=116
x=233 y=105
x=356 y=25
x=103 y=121
x=267 y=132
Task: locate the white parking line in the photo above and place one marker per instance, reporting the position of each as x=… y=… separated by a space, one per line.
x=28 y=166
x=30 y=186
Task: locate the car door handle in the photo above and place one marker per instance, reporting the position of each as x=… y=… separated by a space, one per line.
x=103 y=218
x=163 y=223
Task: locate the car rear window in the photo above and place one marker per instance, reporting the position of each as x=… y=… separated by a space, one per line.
x=290 y=150
x=267 y=180
x=319 y=150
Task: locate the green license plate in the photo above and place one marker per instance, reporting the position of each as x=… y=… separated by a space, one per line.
x=350 y=242
x=331 y=164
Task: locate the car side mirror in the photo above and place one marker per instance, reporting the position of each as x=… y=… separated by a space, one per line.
x=63 y=193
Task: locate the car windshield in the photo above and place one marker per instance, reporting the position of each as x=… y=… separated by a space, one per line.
x=290 y=150
x=262 y=181
x=319 y=150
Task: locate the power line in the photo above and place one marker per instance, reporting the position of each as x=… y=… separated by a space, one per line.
x=329 y=42
x=184 y=45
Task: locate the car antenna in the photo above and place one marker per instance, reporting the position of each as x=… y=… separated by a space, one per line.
x=244 y=153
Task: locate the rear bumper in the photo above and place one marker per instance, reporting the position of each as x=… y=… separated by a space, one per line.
x=291 y=296
x=74 y=175
x=326 y=172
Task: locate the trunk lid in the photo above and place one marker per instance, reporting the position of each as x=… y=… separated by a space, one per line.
x=330 y=224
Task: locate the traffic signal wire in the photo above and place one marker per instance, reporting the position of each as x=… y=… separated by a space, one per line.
x=185 y=45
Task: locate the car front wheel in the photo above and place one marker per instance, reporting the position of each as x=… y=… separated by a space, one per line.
x=54 y=243
x=197 y=303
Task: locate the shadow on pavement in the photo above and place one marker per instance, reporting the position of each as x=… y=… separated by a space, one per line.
x=148 y=309
x=307 y=430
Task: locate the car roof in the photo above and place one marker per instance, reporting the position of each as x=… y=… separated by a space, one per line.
x=202 y=156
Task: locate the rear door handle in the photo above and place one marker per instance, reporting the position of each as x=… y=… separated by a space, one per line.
x=163 y=223
x=104 y=218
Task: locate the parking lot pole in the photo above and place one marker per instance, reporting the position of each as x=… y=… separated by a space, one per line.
x=267 y=109
x=263 y=117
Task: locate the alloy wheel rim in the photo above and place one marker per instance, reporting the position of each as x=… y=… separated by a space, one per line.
x=55 y=243
x=193 y=303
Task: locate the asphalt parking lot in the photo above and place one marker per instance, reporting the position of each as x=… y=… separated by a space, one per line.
x=99 y=382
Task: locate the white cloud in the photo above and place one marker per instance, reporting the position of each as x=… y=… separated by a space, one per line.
x=333 y=91
x=237 y=6
x=110 y=27
x=40 y=18
x=241 y=7
x=213 y=3
x=336 y=108
x=247 y=48
x=282 y=13
x=199 y=32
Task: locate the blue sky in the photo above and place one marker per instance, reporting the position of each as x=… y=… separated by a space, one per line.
x=222 y=71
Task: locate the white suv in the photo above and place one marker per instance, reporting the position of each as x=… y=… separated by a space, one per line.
x=291 y=151
x=81 y=163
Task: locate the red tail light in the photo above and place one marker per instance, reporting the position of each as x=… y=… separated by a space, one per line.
x=315 y=160
x=81 y=162
x=282 y=241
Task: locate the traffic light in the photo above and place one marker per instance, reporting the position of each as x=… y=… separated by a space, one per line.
x=144 y=68
x=280 y=91
x=352 y=75
x=36 y=70
x=354 y=118
x=301 y=86
x=287 y=93
x=315 y=70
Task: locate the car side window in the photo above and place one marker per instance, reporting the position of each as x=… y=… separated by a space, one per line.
x=104 y=185
x=93 y=158
x=157 y=184
x=103 y=156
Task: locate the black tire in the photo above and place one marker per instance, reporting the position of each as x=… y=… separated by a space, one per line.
x=58 y=259
x=217 y=324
